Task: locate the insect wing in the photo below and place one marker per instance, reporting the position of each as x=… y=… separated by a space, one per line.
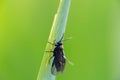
x=63 y=63
x=58 y=66
x=53 y=69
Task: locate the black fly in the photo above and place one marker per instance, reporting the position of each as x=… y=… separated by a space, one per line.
x=59 y=61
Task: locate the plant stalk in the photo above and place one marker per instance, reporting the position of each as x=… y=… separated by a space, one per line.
x=57 y=31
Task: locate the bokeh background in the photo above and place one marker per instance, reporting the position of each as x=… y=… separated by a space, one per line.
x=95 y=48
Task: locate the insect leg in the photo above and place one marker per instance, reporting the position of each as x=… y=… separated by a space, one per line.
x=51 y=43
x=48 y=51
x=71 y=63
x=50 y=58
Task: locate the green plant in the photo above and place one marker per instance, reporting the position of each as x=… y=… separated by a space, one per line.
x=57 y=30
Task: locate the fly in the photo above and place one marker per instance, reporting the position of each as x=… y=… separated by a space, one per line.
x=59 y=61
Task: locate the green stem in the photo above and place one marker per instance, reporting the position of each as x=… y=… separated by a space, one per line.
x=57 y=31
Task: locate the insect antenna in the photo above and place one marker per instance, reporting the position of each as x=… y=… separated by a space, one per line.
x=61 y=38
x=67 y=39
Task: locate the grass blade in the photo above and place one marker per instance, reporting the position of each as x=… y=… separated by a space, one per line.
x=57 y=31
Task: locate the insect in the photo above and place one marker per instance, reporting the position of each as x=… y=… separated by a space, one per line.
x=59 y=61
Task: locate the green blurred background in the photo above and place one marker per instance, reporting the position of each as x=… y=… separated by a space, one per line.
x=95 y=48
